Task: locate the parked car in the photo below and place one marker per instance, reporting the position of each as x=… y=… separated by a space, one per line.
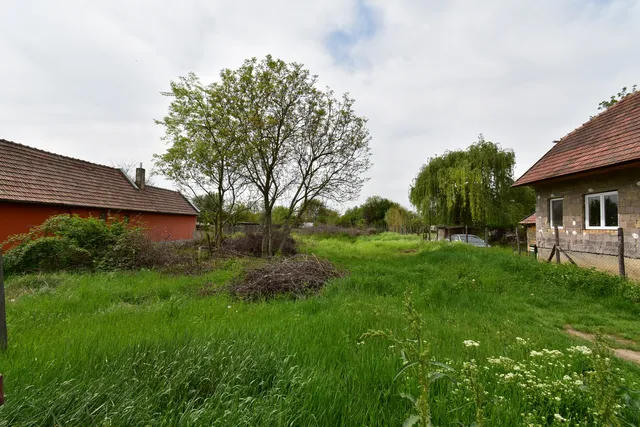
x=473 y=240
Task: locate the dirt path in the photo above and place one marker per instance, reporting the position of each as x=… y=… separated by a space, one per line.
x=630 y=355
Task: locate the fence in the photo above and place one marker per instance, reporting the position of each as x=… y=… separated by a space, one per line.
x=604 y=250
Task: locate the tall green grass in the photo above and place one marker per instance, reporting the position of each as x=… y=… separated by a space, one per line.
x=128 y=349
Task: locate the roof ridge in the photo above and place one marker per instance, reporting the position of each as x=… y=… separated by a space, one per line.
x=32 y=175
x=57 y=155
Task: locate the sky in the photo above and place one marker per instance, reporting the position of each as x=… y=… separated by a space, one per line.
x=83 y=78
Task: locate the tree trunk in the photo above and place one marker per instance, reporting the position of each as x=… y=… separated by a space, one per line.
x=219 y=220
x=266 y=233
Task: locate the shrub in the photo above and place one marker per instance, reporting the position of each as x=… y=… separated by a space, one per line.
x=66 y=242
x=46 y=254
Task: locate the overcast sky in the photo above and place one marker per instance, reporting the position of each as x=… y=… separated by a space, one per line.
x=83 y=78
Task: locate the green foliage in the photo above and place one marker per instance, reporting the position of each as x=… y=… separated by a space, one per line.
x=204 y=148
x=267 y=128
x=400 y=219
x=71 y=242
x=64 y=242
x=279 y=215
x=374 y=210
x=352 y=218
x=616 y=98
x=471 y=187
x=208 y=206
x=415 y=355
x=372 y=213
x=46 y=254
x=317 y=212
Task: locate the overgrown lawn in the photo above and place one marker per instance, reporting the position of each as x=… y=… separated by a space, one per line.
x=129 y=349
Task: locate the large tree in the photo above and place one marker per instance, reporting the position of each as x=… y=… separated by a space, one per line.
x=203 y=148
x=265 y=127
x=471 y=186
x=299 y=142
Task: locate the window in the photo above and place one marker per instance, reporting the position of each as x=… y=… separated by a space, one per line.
x=103 y=216
x=601 y=210
x=555 y=212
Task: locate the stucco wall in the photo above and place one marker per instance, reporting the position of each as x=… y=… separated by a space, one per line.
x=574 y=235
x=16 y=218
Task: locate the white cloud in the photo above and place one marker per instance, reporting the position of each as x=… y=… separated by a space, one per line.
x=83 y=78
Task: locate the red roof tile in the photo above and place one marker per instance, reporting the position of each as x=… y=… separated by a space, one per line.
x=611 y=137
x=531 y=219
x=35 y=176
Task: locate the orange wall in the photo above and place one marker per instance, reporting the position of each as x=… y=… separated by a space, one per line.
x=16 y=218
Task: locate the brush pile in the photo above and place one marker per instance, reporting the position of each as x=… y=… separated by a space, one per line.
x=296 y=277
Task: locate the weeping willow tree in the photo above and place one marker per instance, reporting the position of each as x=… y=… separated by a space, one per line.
x=471 y=187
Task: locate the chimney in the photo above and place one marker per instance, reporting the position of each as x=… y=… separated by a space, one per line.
x=140 y=177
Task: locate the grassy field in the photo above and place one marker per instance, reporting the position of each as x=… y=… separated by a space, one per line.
x=138 y=349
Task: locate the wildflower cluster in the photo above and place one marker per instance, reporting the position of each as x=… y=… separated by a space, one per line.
x=574 y=386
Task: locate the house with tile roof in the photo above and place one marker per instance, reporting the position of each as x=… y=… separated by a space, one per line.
x=588 y=184
x=36 y=184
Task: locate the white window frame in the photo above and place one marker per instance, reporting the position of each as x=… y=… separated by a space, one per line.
x=551 y=211
x=602 y=219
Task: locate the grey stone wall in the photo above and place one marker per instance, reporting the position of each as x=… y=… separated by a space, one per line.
x=574 y=236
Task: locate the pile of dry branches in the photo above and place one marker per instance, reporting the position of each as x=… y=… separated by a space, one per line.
x=297 y=276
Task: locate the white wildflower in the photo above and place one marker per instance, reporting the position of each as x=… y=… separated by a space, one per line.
x=580 y=349
x=536 y=353
x=471 y=343
x=521 y=340
x=559 y=418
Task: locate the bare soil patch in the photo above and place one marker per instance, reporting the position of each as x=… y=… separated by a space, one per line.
x=625 y=354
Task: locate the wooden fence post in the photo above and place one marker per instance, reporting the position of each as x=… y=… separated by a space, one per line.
x=486 y=237
x=3 y=312
x=621 y=252
x=518 y=240
x=449 y=230
x=555 y=230
x=466 y=233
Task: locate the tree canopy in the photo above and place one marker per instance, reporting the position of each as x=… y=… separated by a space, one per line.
x=471 y=186
x=266 y=131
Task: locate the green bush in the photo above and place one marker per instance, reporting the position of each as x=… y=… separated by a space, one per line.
x=65 y=242
x=46 y=254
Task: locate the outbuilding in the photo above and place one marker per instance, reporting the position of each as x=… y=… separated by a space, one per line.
x=35 y=185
